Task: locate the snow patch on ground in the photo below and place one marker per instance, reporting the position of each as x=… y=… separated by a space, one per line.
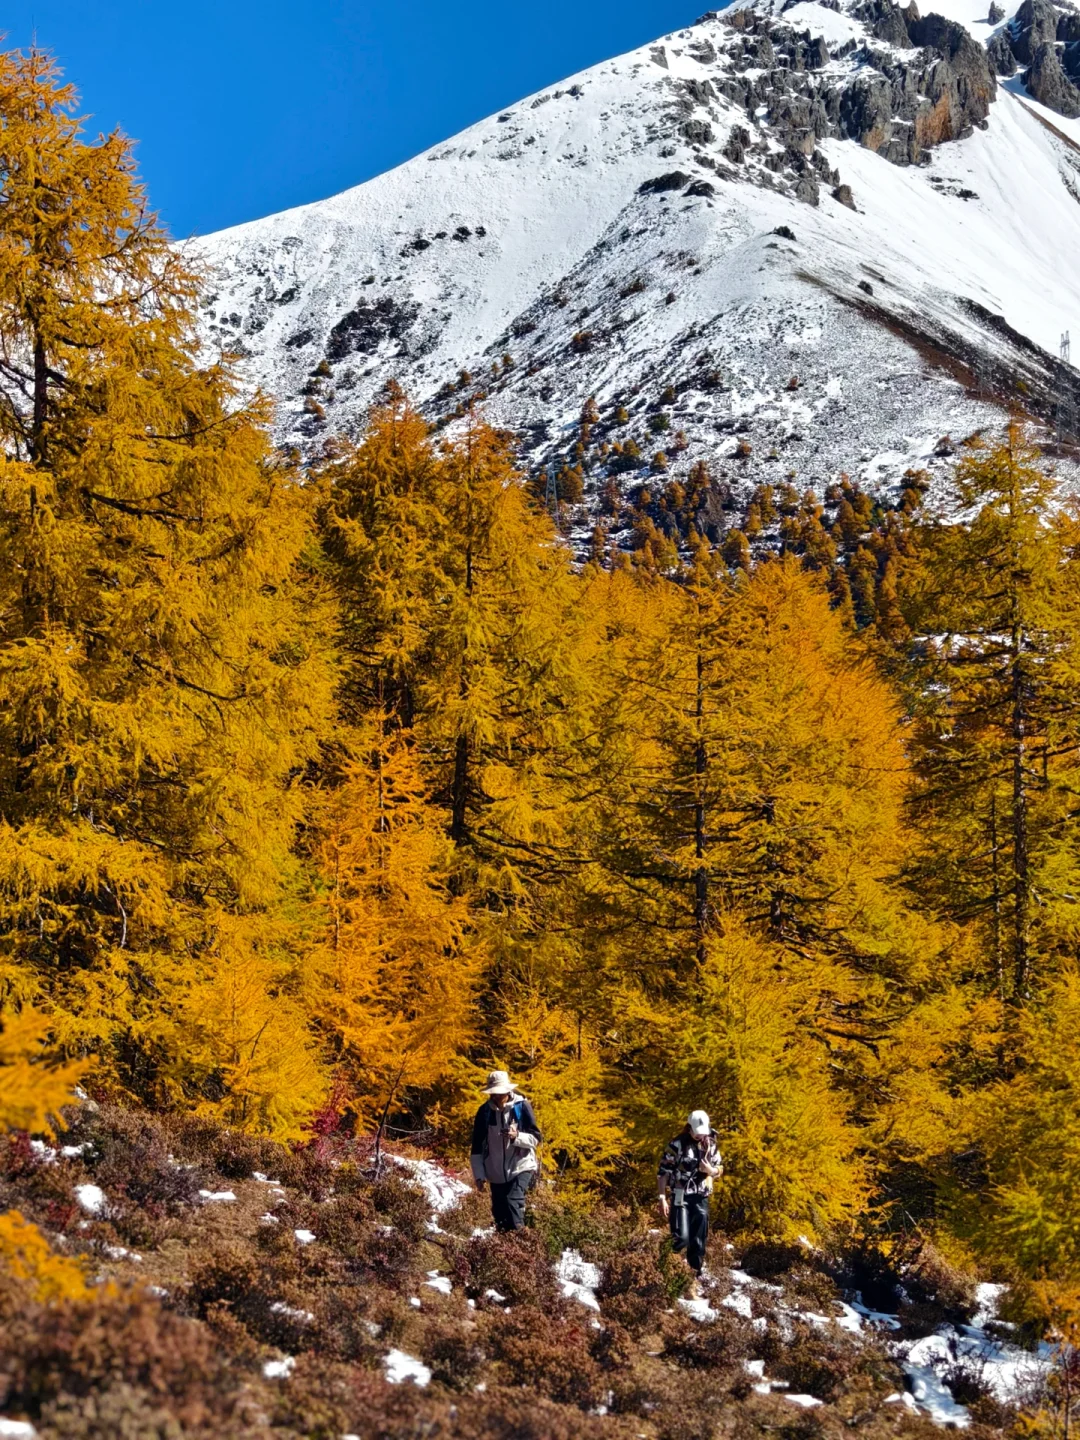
x=1004 y=1368
x=91 y=1198
x=401 y=1367
x=279 y=1369
x=16 y=1430
x=578 y=1279
x=443 y=1191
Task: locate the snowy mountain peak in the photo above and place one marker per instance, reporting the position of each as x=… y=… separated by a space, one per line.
x=713 y=218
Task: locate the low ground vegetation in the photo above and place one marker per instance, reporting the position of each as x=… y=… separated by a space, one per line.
x=271 y=1313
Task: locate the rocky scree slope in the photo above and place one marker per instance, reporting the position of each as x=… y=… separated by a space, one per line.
x=789 y=240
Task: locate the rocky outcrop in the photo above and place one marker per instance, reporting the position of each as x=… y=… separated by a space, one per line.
x=1000 y=53
x=928 y=82
x=1048 y=83
x=1034 y=26
x=1044 y=40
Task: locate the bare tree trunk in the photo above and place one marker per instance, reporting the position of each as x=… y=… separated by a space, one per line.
x=701 y=874
x=381 y=1131
x=1021 y=877
x=460 y=794
x=999 y=962
x=41 y=401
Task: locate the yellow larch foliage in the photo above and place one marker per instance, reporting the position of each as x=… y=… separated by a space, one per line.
x=1025 y=1216
x=396 y=961
x=163 y=676
x=32 y=1091
x=26 y=1255
x=739 y=1041
x=995 y=589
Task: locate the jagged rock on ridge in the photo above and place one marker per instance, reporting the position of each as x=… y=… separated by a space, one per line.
x=1046 y=80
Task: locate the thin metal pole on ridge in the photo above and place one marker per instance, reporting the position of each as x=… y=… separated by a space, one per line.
x=1065 y=410
x=551 y=490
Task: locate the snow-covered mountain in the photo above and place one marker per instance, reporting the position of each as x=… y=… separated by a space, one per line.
x=811 y=237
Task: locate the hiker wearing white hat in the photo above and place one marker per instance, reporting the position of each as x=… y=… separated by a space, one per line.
x=690 y=1165
x=504 y=1140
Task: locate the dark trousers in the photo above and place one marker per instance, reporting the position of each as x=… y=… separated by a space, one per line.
x=508 y=1202
x=690 y=1228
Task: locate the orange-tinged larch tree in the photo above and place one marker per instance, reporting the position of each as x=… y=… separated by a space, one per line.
x=753 y=853
x=162 y=679
x=396 y=964
x=464 y=632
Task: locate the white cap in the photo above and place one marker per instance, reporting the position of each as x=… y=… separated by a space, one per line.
x=698 y=1122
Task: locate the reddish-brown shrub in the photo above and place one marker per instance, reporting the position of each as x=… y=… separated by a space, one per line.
x=515 y=1265
x=612 y=1346
x=454 y=1353
x=318 y=1401
x=90 y=1347
x=120 y=1413
x=633 y=1290
x=472 y=1212
x=402 y=1205
x=501 y=1414
x=343 y=1223
x=722 y=1344
x=768 y=1259
x=546 y=1353
x=265 y=1297
x=128 y=1155
x=827 y=1363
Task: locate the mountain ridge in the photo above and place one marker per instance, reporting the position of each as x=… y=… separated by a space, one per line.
x=699 y=219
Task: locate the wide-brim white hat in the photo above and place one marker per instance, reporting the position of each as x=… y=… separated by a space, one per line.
x=498 y=1083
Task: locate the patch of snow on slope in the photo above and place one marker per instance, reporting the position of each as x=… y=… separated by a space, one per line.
x=91 y=1198
x=443 y=1191
x=400 y=1367
x=579 y=1279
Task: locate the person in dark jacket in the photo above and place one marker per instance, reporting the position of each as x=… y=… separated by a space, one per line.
x=690 y=1165
x=504 y=1140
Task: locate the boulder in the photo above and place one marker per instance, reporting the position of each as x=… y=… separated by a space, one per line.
x=1034 y=25
x=843 y=194
x=738 y=142
x=807 y=190
x=674 y=180
x=1000 y=53
x=1048 y=83
x=697 y=132
x=815 y=54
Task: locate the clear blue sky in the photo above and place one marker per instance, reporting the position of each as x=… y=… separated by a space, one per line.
x=244 y=107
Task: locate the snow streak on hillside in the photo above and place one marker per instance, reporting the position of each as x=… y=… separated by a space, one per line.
x=714 y=213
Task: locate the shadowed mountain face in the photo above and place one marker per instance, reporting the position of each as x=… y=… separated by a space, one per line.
x=788 y=240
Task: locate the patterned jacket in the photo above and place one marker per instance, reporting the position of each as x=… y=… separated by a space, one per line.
x=679 y=1167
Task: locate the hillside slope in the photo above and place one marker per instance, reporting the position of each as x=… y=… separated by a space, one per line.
x=258 y=1293
x=831 y=235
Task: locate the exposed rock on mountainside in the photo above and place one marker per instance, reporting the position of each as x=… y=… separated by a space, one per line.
x=683 y=232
